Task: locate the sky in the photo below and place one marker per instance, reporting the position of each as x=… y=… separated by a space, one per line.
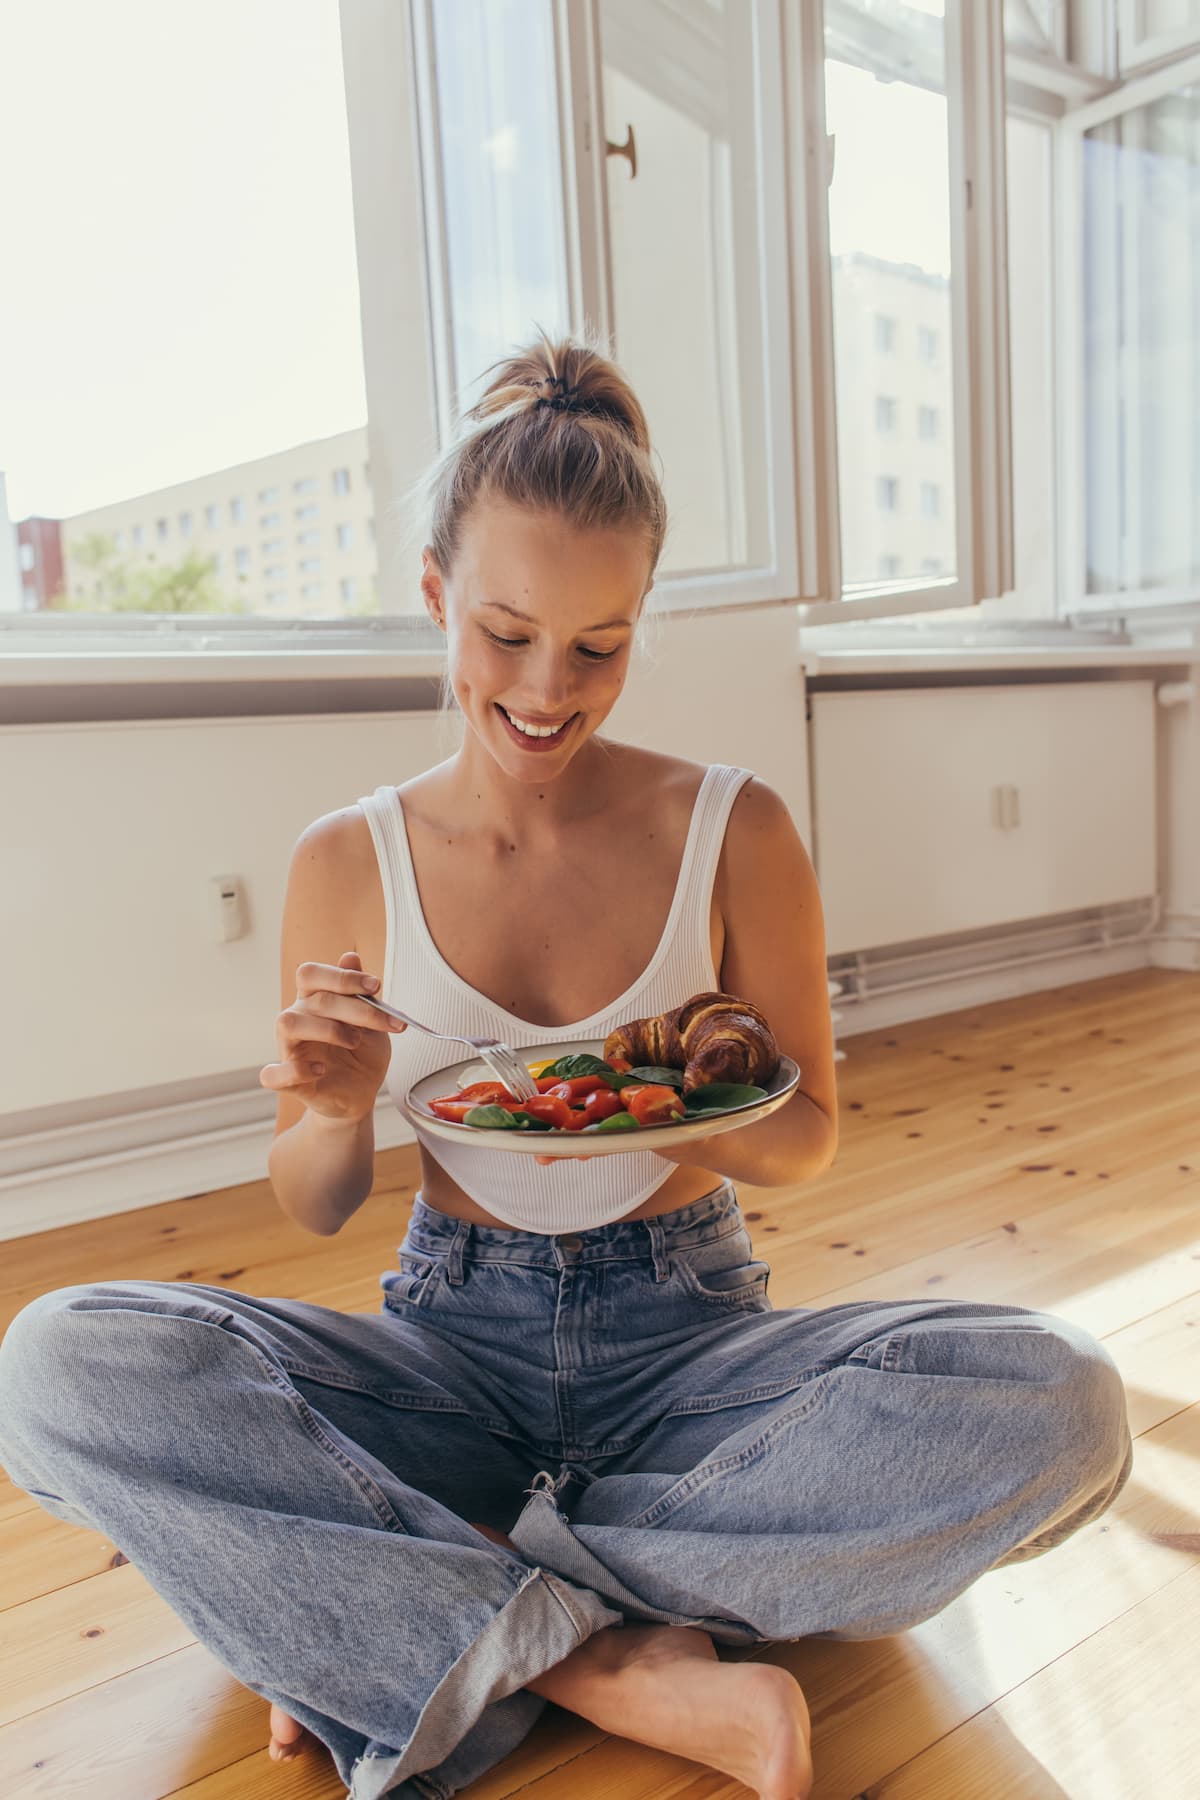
x=179 y=289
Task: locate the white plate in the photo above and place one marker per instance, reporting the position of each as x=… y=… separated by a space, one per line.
x=581 y=1143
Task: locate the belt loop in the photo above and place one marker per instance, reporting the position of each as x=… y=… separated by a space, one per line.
x=658 y=1246
x=454 y=1259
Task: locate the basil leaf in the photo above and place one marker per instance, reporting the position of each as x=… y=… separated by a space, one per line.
x=659 y=1077
x=493 y=1118
x=527 y=1122
x=621 y=1121
x=720 y=1096
x=567 y=1067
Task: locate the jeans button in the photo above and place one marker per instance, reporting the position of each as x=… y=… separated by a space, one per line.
x=571 y=1243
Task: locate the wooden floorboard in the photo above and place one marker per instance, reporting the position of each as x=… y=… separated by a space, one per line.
x=1042 y=1151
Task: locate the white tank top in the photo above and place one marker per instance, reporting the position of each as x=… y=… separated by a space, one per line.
x=558 y=1196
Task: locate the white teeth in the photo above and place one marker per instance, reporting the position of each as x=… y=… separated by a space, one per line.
x=533 y=730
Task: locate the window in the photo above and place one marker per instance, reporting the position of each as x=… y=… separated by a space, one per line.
x=311 y=590
x=27 y=558
x=237 y=511
x=345 y=537
x=162 y=528
x=241 y=560
x=931 y=565
x=927 y=344
x=887 y=492
x=341 y=481
x=137 y=535
x=927 y=421
x=310 y=565
x=885 y=413
x=272 y=546
x=267 y=494
x=308 y=511
x=119 y=541
x=885 y=332
x=211 y=517
x=277 y=597
x=276 y=572
x=930 y=500
x=347 y=587
x=1140 y=452
x=308 y=537
x=185 y=524
x=889 y=566
x=266 y=521
x=307 y=484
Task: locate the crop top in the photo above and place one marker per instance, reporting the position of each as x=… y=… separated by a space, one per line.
x=566 y=1195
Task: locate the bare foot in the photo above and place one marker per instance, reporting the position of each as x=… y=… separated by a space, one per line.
x=288 y=1737
x=663 y=1685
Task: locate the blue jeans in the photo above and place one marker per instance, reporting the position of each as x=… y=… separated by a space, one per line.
x=301 y=1485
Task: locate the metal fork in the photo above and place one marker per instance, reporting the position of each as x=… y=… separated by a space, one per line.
x=497 y=1055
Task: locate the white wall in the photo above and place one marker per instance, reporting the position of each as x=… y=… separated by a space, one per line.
x=113 y=980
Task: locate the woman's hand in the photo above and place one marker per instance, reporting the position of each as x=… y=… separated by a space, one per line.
x=333 y=1047
x=550 y=1159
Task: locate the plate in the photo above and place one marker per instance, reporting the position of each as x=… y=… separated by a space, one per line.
x=781 y=1087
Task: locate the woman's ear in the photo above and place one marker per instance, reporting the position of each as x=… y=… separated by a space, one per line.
x=432 y=591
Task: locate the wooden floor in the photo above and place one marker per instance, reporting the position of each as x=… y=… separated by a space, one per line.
x=1043 y=1151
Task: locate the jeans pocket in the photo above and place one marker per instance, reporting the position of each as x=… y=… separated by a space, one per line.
x=412 y=1283
x=723 y=1271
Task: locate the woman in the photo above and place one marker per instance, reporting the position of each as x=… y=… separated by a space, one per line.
x=578 y=1448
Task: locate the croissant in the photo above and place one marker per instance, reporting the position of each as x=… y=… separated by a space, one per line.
x=711 y=1037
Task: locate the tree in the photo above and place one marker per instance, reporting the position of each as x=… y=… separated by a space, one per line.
x=187 y=586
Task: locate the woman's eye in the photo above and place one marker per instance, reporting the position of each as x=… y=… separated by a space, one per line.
x=596 y=655
x=515 y=644
x=509 y=643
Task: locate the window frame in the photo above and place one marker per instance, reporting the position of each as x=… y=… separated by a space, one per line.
x=1138 y=53
x=1074 y=601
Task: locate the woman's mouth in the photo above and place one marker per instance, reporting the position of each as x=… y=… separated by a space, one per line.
x=535 y=741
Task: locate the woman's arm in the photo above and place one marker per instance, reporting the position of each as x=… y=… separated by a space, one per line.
x=774 y=955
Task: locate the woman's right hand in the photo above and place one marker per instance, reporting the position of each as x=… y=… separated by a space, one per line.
x=330 y=1029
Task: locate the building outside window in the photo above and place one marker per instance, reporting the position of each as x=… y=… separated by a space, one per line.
x=311 y=565
x=347 y=587
x=307 y=484
x=137 y=537
x=345 y=537
x=341 y=481
x=267 y=494
x=267 y=520
x=889 y=566
x=185 y=524
x=308 y=511
x=311 y=590
x=927 y=344
x=272 y=547
x=162 y=529
x=237 y=510
x=211 y=517
x=927 y=421
x=308 y=537
x=887 y=492
x=276 y=572
x=885 y=332
x=241 y=560
x=885 y=413
x=930 y=500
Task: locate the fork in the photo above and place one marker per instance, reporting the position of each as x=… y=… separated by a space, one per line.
x=497 y=1055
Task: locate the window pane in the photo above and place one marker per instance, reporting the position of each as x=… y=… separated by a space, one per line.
x=202 y=356
x=889 y=223
x=681 y=78
x=1141 y=301
x=501 y=196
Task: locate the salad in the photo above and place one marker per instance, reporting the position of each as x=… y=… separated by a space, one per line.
x=584 y=1093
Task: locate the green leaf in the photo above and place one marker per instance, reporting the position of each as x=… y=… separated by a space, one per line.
x=568 y=1067
x=494 y=1118
x=659 y=1077
x=720 y=1096
x=621 y=1121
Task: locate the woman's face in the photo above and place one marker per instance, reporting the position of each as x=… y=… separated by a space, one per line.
x=539 y=619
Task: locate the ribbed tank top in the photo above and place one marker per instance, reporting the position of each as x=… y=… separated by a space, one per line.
x=532 y=1196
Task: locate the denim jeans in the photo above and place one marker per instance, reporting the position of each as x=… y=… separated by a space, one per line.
x=301 y=1485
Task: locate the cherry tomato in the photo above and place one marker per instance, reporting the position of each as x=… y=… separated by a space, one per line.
x=550 y=1107
x=574 y=1088
x=577 y=1120
x=601 y=1104
x=651 y=1105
